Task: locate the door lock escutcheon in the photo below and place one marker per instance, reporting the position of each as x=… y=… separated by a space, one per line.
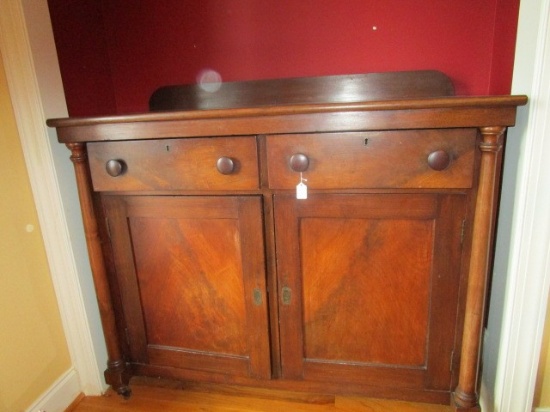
x=257 y=297
x=286 y=295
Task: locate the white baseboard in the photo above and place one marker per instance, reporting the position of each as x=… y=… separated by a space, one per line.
x=486 y=398
x=60 y=395
x=542 y=410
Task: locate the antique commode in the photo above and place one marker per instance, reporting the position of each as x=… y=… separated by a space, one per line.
x=211 y=265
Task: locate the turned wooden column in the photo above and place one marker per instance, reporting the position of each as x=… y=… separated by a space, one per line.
x=465 y=397
x=116 y=374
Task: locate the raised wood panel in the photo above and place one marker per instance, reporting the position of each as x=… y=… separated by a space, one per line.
x=189 y=299
x=396 y=159
x=187 y=280
x=351 y=269
x=373 y=296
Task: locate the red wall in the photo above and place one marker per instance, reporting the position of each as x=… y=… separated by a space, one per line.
x=132 y=47
x=504 y=45
x=83 y=59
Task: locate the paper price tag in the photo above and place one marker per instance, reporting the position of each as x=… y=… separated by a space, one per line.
x=301 y=191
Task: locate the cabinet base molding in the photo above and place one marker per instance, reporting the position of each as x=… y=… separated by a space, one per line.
x=334 y=388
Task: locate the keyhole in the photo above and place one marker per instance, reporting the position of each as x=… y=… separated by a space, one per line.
x=366 y=141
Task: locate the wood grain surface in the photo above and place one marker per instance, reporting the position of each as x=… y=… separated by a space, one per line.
x=152 y=395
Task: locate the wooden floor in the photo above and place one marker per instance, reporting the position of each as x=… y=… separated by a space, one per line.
x=169 y=396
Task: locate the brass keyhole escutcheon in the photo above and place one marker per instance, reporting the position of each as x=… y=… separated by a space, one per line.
x=257 y=297
x=286 y=295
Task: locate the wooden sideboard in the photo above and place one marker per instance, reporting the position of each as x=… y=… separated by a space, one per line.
x=208 y=267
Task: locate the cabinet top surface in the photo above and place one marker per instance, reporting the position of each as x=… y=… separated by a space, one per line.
x=356 y=102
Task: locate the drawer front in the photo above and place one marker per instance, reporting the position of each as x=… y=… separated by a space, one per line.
x=175 y=164
x=388 y=159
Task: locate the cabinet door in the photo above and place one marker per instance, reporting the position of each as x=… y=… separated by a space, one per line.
x=369 y=287
x=191 y=275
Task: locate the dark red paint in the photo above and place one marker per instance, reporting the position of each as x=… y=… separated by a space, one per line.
x=114 y=53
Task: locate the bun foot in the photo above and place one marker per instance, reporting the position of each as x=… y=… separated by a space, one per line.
x=125 y=392
x=463 y=403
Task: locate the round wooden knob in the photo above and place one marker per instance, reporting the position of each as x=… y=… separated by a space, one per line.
x=115 y=167
x=225 y=165
x=439 y=160
x=299 y=162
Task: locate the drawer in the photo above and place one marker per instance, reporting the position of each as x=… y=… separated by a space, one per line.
x=224 y=163
x=386 y=159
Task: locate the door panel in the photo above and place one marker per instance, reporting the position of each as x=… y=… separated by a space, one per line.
x=191 y=301
x=350 y=273
x=373 y=283
x=208 y=298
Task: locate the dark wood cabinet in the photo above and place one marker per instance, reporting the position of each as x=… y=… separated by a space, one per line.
x=208 y=267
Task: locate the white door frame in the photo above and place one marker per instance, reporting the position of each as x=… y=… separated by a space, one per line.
x=528 y=278
x=36 y=92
